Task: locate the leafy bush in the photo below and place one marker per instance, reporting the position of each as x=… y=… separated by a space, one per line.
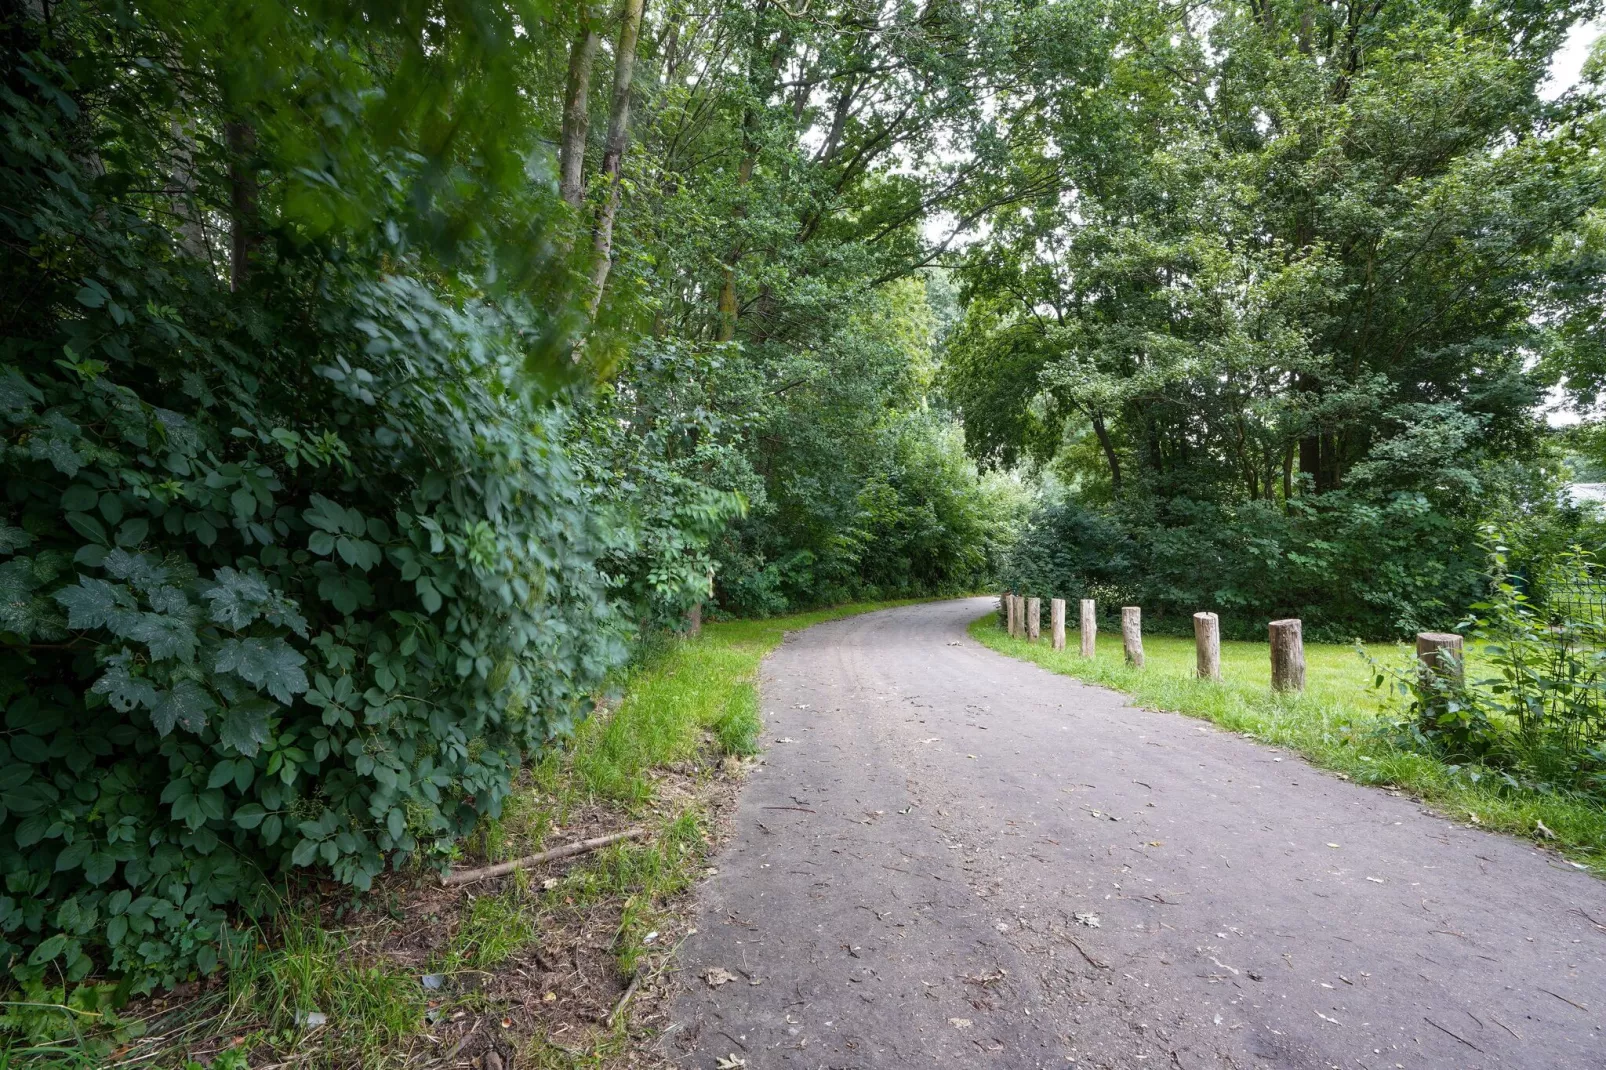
x=294 y=572
x=1532 y=701
x=1348 y=565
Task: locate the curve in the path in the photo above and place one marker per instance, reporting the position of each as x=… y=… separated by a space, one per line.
x=951 y=858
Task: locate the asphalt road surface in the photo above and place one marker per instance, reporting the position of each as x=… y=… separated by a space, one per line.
x=952 y=858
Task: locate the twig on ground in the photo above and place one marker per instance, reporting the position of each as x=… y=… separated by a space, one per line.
x=1457 y=1036
x=468 y=876
x=1090 y=959
x=1564 y=999
x=618 y=1008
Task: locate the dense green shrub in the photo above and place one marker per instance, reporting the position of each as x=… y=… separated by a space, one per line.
x=292 y=573
x=1530 y=699
x=1347 y=564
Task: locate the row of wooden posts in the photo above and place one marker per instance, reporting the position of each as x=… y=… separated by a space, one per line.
x=1437 y=651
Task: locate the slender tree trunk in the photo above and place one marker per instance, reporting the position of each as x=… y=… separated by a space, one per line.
x=763 y=85
x=1103 y=434
x=244 y=196
x=727 y=289
x=181 y=190
x=577 y=111
x=613 y=153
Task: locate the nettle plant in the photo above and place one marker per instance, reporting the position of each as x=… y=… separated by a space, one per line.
x=290 y=578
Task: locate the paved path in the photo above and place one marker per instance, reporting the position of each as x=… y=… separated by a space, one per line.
x=955 y=859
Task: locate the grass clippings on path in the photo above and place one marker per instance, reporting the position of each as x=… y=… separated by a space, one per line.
x=528 y=970
x=1335 y=724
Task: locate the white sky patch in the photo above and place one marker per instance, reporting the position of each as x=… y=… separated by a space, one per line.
x=1568 y=61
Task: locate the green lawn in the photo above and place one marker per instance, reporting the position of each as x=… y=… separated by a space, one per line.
x=1334 y=723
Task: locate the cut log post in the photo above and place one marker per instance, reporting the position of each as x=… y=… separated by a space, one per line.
x=1014 y=616
x=1287 y=655
x=1056 y=611
x=1207 y=641
x=1003 y=610
x=1089 y=626
x=1034 y=618
x=1440 y=655
x=1132 y=635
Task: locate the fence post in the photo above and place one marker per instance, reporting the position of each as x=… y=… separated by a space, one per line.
x=1003 y=609
x=1132 y=635
x=1089 y=626
x=1017 y=606
x=1056 y=612
x=1440 y=655
x=1207 y=640
x=1034 y=618
x=1287 y=655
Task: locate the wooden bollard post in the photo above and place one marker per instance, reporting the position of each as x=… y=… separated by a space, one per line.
x=1056 y=612
x=1132 y=635
x=1018 y=606
x=1089 y=626
x=1034 y=618
x=1440 y=655
x=1207 y=640
x=1003 y=610
x=1287 y=655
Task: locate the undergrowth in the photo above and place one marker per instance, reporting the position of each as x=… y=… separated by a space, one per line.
x=310 y=992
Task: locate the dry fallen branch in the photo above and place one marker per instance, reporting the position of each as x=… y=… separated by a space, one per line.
x=469 y=876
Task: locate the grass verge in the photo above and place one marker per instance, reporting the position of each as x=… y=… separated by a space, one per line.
x=525 y=970
x=1337 y=723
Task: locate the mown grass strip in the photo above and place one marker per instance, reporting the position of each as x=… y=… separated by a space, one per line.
x=1335 y=724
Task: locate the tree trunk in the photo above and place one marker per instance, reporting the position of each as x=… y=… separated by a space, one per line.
x=1057 y=614
x=1207 y=644
x=727 y=288
x=245 y=222
x=1034 y=618
x=1287 y=655
x=1132 y=635
x=1114 y=462
x=577 y=112
x=613 y=153
x=1310 y=461
x=1089 y=627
